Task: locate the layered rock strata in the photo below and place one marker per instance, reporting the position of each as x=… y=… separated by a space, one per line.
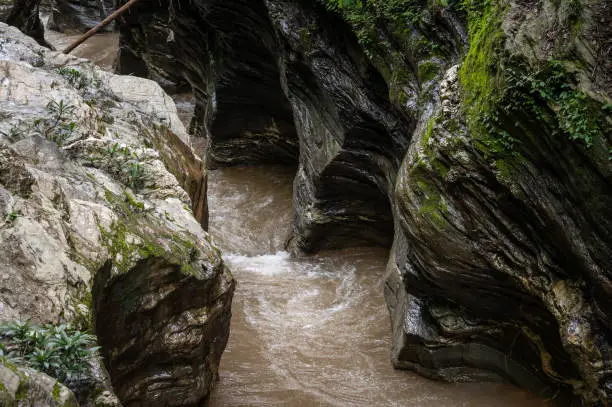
x=472 y=134
x=227 y=52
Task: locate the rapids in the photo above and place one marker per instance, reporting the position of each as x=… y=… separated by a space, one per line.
x=305 y=331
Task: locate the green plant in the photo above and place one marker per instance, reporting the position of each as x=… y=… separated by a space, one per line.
x=363 y=16
x=110 y=151
x=11 y=216
x=74 y=77
x=57 y=128
x=504 y=95
x=59 y=110
x=58 y=350
x=13 y=133
x=135 y=171
x=63 y=132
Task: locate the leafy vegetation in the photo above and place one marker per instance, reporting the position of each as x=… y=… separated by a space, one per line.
x=57 y=125
x=130 y=166
x=12 y=216
x=366 y=15
x=74 y=77
x=498 y=91
x=502 y=94
x=57 y=350
x=556 y=87
x=13 y=133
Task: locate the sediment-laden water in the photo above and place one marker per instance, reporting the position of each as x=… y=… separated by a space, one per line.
x=311 y=331
x=308 y=331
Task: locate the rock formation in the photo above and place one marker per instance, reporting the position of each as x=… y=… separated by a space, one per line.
x=24 y=14
x=5 y=8
x=473 y=135
x=79 y=16
x=103 y=203
x=24 y=386
x=227 y=52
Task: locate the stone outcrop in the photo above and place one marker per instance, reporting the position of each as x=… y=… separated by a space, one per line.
x=474 y=135
x=5 y=8
x=25 y=387
x=102 y=205
x=501 y=260
x=24 y=14
x=227 y=52
x=352 y=138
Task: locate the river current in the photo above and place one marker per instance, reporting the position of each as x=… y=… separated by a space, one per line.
x=311 y=331
x=305 y=331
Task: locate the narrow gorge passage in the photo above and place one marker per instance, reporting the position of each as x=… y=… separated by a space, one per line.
x=311 y=331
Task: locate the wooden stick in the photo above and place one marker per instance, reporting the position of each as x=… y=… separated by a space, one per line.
x=100 y=26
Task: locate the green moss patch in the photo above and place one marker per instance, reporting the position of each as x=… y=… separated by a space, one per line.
x=509 y=104
x=137 y=236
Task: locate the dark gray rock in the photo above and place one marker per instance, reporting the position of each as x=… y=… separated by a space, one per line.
x=227 y=53
x=24 y=14
x=492 y=180
x=5 y=8
x=76 y=16
x=170 y=324
x=352 y=138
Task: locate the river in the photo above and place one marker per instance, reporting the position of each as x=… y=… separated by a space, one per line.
x=305 y=331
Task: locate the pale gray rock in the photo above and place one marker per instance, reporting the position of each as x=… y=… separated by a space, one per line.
x=103 y=196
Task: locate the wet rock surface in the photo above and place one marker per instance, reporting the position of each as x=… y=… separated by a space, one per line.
x=5 y=9
x=452 y=140
x=79 y=16
x=24 y=14
x=100 y=192
x=227 y=53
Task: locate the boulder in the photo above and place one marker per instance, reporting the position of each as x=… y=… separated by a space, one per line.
x=103 y=206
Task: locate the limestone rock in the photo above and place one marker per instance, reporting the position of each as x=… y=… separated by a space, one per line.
x=24 y=387
x=92 y=207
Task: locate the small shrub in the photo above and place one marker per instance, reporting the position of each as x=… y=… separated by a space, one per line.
x=11 y=216
x=74 y=77
x=59 y=109
x=58 y=128
x=13 y=133
x=57 y=350
x=134 y=171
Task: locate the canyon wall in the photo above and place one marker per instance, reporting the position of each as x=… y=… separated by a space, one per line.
x=472 y=138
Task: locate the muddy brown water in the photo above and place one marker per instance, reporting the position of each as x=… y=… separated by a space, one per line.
x=100 y=49
x=307 y=331
x=311 y=331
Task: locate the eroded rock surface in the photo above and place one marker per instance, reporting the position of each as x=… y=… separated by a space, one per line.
x=79 y=16
x=24 y=14
x=25 y=387
x=227 y=52
x=100 y=191
x=475 y=135
x=5 y=9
